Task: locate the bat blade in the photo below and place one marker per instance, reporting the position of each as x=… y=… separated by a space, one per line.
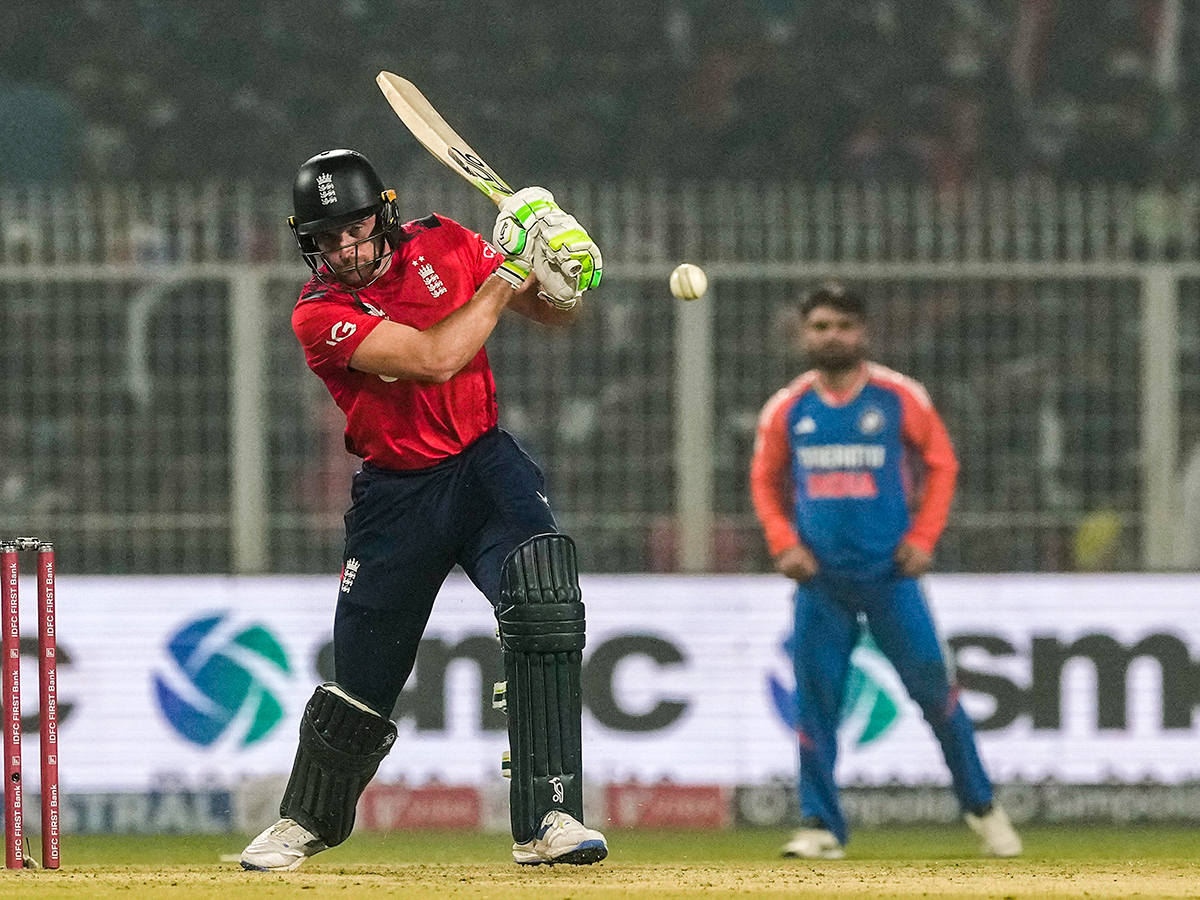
x=438 y=137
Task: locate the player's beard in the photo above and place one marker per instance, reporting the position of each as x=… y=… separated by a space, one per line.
x=364 y=267
x=837 y=360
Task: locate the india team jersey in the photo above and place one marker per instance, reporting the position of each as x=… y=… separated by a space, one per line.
x=403 y=424
x=840 y=473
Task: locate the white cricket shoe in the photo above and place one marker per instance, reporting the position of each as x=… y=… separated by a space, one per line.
x=996 y=831
x=561 y=839
x=814 y=843
x=281 y=848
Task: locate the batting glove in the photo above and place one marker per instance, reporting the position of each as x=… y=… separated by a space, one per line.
x=513 y=231
x=566 y=260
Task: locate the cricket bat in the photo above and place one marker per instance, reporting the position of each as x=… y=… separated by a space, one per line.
x=440 y=139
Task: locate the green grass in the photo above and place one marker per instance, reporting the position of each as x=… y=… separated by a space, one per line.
x=650 y=847
x=903 y=863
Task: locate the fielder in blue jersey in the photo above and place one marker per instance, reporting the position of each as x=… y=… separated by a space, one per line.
x=852 y=480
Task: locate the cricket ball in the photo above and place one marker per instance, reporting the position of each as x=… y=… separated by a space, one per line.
x=688 y=282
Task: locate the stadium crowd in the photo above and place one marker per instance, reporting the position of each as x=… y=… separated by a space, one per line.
x=936 y=90
x=144 y=93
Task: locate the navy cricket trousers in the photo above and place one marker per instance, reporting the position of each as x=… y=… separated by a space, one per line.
x=405 y=531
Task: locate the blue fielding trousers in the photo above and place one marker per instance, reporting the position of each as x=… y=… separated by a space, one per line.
x=827 y=628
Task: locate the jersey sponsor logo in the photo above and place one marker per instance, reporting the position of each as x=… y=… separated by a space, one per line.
x=349 y=572
x=871 y=422
x=432 y=280
x=842 y=456
x=325 y=189
x=806 y=425
x=488 y=250
x=840 y=485
x=340 y=332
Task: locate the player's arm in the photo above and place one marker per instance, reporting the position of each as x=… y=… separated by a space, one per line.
x=926 y=433
x=771 y=491
x=540 y=311
x=440 y=351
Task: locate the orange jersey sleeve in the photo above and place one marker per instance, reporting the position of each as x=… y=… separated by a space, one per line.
x=771 y=487
x=925 y=434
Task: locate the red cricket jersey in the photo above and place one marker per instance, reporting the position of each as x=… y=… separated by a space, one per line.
x=402 y=424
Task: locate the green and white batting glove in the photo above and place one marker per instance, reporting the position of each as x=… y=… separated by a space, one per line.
x=513 y=231
x=566 y=260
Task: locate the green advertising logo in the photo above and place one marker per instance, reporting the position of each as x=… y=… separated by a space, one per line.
x=217 y=683
x=868 y=710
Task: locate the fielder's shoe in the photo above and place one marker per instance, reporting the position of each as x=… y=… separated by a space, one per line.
x=281 y=848
x=996 y=831
x=814 y=841
x=561 y=839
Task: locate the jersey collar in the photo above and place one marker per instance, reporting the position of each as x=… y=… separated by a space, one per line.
x=841 y=398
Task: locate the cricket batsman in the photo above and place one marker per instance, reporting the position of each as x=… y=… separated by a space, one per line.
x=842 y=454
x=393 y=321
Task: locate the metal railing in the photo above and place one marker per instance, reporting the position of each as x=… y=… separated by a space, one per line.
x=158 y=417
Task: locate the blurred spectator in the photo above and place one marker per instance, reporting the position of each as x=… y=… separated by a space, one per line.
x=1160 y=219
x=1099 y=542
x=42 y=128
x=879 y=151
x=1187 y=537
x=1117 y=140
x=943 y=91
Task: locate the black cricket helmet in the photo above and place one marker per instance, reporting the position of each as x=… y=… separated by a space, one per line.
x=332 y=190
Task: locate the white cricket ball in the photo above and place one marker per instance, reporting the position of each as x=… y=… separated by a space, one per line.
x=688 y=282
